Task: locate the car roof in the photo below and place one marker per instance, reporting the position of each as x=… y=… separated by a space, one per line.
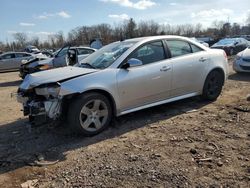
x=82 y=47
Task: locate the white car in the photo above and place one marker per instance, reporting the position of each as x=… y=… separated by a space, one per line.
x=124 y=77
x=63 y=57
x=242 y=61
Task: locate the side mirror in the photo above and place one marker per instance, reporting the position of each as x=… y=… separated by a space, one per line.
x=236 y=43
x=132 y=63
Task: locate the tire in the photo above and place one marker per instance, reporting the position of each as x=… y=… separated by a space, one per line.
x=89 y=114
x=213 y=85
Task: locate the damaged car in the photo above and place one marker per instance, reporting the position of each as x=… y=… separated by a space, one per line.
x=121 y=78
x=63 y=57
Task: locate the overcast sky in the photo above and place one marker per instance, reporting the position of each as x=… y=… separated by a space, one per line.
x=44 y=17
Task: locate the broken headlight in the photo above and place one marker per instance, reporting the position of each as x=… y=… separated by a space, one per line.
x=47 y=91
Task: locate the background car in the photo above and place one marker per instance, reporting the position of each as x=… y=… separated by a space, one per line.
x=31 y=49
x=200 y=41
x=242 y=61
x=62 y=57
x=121 y=78
x=12 y=60
x=231 y=45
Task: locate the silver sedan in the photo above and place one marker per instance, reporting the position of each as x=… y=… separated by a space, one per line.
x=124 y=77
x=12 y=60
x=242 y=61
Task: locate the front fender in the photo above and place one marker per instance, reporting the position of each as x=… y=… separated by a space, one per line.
x=104 y=80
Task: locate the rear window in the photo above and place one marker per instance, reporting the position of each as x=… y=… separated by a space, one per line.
x=195 y=48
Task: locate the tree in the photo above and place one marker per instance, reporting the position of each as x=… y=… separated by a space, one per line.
x=248 y=20
x=59 y=39
x=129 y=28
x=35 y=41
x=21 y=39
x=235 y=30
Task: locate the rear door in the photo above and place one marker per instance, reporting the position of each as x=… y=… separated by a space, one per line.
x=148 y=83
x=189 y=63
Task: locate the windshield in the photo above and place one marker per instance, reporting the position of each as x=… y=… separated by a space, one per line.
x=106 y=56
x=226 y=41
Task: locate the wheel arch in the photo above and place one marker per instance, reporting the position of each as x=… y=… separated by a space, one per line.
x=219 y=69
x=100 y=91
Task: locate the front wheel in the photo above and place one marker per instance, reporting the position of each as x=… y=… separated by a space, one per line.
x=90 y=114
x=213 y=85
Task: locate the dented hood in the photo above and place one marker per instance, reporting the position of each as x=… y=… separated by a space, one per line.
x=53 y=75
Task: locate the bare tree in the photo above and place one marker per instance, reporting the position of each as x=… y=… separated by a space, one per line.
x=248 y=20
x=21 y=39
x=59 y=39
x=130 y=28
x=35 y=41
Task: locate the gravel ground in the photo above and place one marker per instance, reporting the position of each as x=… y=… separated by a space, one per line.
x=190 y=143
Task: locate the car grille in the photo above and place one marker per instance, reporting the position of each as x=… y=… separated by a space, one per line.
x=245 y=67
x=246 y=60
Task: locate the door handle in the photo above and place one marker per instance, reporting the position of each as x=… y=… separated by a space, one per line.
x=202 y=59
x=165 y=68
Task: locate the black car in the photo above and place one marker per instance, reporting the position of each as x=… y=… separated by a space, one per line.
x=232 y=45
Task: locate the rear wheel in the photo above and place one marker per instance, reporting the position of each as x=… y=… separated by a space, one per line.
x=213 y=85
x=90 y=114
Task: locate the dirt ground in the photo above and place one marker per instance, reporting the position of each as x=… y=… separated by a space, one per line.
x=190 y=143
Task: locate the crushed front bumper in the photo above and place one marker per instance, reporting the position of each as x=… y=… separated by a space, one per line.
x=50 y=108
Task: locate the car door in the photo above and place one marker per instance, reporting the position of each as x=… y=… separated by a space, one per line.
x=60 y=58
x=6 y=62
x=148 y=83
x=189 y=64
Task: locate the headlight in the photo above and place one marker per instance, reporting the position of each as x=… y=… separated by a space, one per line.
x=44 y=67
x=48 y=91
x=24 y=61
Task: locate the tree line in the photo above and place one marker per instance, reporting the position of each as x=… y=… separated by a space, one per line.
x=127 y=29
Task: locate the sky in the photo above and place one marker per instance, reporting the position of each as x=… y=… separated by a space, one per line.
x=45 y=17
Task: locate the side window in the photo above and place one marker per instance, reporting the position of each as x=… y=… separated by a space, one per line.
x=62 y=52
x=149 y=53
x=26 y=55
x=195 y=48
x=19 y=55
x=178 y=47
x=83 y=51
x=8 y=56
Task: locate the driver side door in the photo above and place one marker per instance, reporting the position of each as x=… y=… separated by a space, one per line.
x=148 y=83
x=60 y=58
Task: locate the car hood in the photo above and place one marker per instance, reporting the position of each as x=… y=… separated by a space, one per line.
x=53 y=75
x=40 y=60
